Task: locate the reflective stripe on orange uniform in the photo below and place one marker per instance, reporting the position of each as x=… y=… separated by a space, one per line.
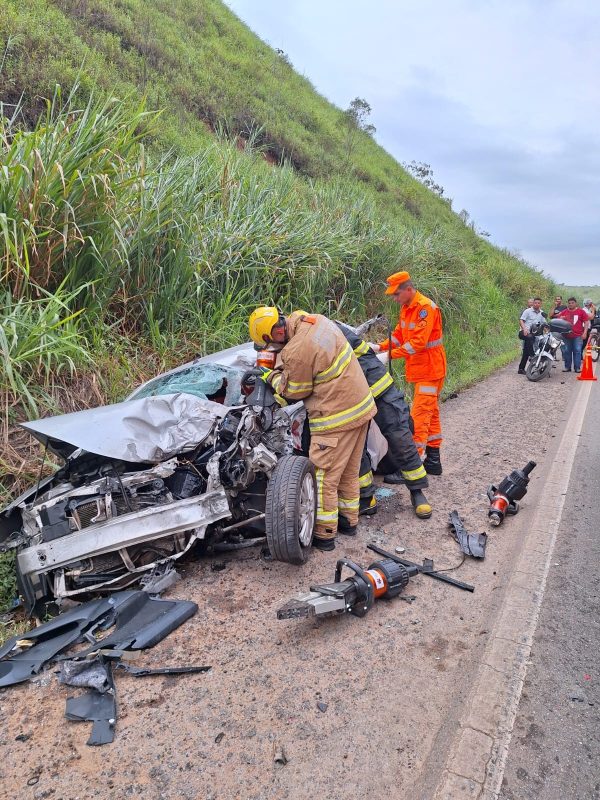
x=425 y=412
x=418 y=338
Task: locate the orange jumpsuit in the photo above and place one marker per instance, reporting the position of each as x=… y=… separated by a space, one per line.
x=418 y=338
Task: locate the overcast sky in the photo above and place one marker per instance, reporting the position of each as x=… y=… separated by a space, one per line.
x=500 y=97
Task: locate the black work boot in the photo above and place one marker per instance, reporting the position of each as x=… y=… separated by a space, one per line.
x=368 y=506
x=323 y=544
x=420 y=504
x=345 y=527
x=432 y=463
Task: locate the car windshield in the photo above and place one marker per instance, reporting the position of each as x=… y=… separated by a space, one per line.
x=210 y=381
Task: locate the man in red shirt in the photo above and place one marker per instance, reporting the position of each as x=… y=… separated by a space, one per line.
x=573 y=342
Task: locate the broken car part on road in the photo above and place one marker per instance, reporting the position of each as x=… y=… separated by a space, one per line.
x=99 y=707
x=140 y=622
x=505 y=497
x=472 y=544
x=355 y=594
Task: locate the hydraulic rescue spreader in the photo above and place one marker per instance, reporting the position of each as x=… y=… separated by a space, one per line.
x=355 y=594
x=505 y=497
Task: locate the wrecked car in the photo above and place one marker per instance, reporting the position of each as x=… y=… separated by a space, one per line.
x=200 y=456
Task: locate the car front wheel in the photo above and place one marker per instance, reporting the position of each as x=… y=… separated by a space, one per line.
x=290 y=510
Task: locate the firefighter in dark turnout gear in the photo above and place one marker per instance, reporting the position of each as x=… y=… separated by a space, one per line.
x=393 y=419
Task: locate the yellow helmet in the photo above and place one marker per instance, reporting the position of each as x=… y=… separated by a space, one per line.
x=261 y=323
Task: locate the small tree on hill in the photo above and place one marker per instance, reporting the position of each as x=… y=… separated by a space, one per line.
x=423 y=173
x=355 y=120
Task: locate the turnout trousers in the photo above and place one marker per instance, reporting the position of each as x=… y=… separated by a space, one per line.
x=425 y=412
x=393 y=419
x=336 y=457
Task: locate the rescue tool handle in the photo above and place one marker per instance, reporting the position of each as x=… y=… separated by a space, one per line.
x=364 y=586
x=423 y=570
x=346 y=562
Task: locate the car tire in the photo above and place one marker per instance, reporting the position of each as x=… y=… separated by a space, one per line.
x=291 y=509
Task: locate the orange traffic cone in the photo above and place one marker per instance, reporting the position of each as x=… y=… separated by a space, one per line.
x=587 y=373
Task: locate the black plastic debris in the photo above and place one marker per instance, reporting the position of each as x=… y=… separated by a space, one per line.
x=97 y=707
x=39 y=646
x=141 y=672
x=472 y=544
x=143 y=621
x=140 y=622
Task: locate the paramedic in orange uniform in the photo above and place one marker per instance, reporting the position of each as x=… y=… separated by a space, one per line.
x=418 y=339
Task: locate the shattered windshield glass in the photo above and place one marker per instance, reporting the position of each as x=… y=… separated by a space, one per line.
x=208 y=381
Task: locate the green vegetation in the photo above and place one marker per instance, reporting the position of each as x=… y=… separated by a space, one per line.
x=580 y=292
x=137 y=234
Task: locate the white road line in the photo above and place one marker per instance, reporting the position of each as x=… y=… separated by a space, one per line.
x=477 y=759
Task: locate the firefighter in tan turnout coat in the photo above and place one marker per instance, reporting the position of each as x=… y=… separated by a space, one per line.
x=317 y=365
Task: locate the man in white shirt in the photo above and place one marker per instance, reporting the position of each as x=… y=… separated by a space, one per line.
x=529 y=317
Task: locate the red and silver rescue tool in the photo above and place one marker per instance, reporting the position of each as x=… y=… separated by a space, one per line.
x=505 y=498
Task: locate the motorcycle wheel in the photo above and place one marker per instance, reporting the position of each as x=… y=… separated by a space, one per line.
x=593 y=340
x=535 y=372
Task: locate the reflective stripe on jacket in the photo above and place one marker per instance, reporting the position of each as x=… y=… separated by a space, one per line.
x=317 y=365
x=418 y=338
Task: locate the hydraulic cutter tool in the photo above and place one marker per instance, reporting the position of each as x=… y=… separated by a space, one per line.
x=505 y=497
x=355 y=594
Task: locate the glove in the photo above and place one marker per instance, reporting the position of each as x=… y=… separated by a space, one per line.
x=375 y=347
x=266 y=373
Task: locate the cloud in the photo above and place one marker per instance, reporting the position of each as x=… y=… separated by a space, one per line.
x=501 y=99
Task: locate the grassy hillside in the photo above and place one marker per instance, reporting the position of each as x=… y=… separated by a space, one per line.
x=196 y=60
x=131 y=240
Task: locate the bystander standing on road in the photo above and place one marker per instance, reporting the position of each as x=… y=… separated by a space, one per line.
x=573 y=342
x=529 y=317
x=557 y=307
x=591 y=312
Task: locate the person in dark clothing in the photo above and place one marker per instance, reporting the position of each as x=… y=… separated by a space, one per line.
x=557 y=307
x=393 y=419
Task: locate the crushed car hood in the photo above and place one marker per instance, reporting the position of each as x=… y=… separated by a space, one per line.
x=147 y=430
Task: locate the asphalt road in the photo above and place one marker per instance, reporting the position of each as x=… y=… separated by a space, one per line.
x=555 y=746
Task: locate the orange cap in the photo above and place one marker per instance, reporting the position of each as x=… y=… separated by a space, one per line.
x=396 y=280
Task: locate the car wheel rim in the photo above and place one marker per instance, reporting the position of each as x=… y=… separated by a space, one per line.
x=307 y=510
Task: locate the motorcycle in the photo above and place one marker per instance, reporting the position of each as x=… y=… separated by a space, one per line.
x=548 y=338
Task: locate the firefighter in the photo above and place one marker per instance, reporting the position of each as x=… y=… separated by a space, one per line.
x=316 y=364
x=393 y=419
x=418 y=339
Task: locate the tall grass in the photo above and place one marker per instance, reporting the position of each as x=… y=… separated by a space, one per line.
x=40 y=341
x=155 y=244
x=172 y=249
